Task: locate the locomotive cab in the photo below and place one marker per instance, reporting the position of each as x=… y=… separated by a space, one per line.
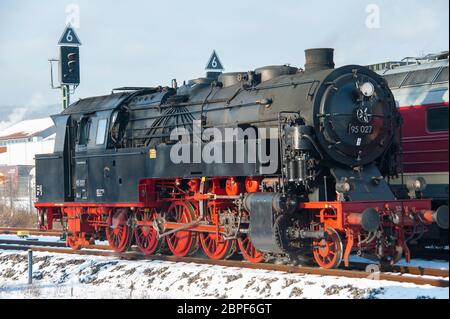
x=54 y=171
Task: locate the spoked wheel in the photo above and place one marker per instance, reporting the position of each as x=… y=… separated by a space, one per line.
x=145 y=235
x=328 y=251
x=249 y=252
x=42 y=219
x=214 y=245
x=181 y=243
x=119 y=232
x=73 y=242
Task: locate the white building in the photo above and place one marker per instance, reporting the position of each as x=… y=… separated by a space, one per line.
x=20 y=143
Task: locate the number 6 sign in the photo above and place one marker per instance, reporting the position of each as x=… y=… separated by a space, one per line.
x=69 y=37
x=214 y=62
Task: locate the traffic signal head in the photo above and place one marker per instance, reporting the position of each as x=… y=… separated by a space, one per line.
x=72 y=61
x=69 y=65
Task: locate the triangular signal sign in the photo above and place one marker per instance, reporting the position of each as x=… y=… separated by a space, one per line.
x=214 y=62
x=69 y=37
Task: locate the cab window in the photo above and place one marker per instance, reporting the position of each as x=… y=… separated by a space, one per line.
x=101 y=131
x=437 y=119
x=83 y=132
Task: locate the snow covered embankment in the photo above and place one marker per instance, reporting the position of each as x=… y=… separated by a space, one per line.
x=69 y=276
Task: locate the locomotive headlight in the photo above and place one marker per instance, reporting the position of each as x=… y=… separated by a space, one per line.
x=343 y=186
x=367 y=89
x=417 y=185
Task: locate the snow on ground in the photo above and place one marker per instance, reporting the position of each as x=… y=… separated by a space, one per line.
x=438 y=264
x=72 y=276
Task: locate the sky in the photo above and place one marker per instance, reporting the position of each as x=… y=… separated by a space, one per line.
x=148 y=43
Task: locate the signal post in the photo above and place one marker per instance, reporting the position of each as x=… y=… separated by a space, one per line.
x=69 y=64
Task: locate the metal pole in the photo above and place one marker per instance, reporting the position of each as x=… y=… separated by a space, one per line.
x=30 y=200
x=68 y=96
x=65 y=96
x=11 y=205
x=30 y=266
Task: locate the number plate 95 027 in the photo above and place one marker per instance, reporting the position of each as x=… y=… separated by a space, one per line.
x=360 y=129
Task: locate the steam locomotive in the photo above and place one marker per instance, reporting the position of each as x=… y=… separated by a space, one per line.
x=274 y=162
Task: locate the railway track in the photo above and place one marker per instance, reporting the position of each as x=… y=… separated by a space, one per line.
x=404 y=274
x=37 y=243
x=31 y=231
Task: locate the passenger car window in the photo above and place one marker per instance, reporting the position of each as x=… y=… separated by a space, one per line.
x=101 y=131
x=421 y=76
x=437 y=119
x=396 y=79
x=443 y=76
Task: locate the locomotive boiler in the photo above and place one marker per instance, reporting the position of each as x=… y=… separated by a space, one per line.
x=279 y=161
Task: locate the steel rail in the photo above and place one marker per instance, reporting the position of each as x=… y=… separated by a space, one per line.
x=32 y=242
x=411 y=270
x=37 y=243
x=31 y=231
x=408 y=277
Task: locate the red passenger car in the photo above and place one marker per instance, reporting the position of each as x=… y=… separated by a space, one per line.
x=421 y=90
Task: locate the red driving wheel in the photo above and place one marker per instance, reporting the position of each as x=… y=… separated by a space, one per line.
x=145 y=235
x=181 y=243
x=119 y=232
x=215 y=245
x=249 y=252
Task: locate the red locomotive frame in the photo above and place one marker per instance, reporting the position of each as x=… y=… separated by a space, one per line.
x=341 y=220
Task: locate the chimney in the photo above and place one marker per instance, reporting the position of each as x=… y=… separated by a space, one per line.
x=319 y=59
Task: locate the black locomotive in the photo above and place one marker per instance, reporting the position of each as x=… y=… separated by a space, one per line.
x=306 y=172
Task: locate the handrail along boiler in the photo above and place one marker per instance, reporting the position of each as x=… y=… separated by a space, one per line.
x=112 y=176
